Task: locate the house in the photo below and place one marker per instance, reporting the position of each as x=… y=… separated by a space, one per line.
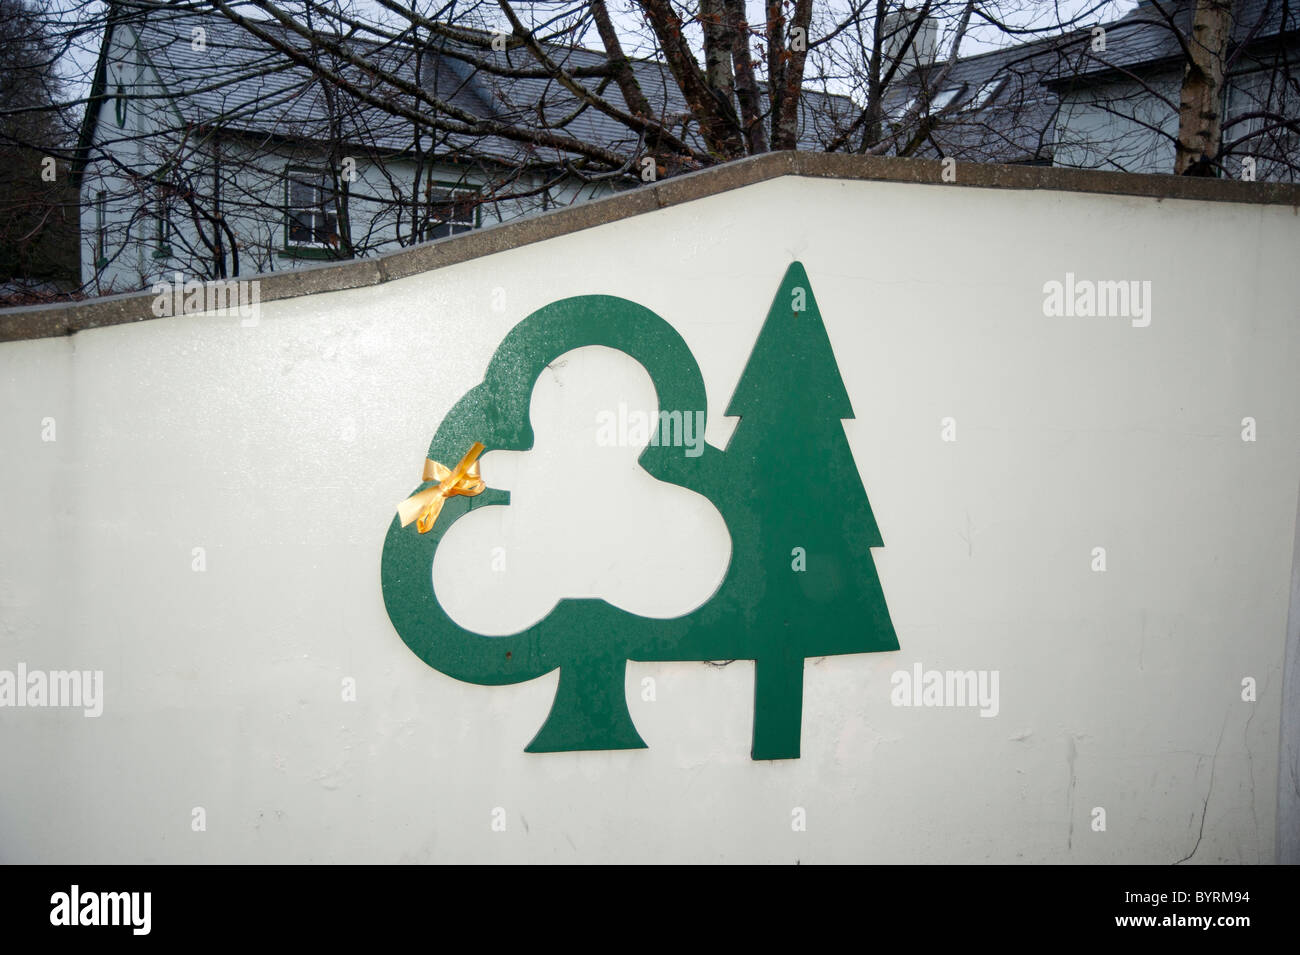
x=1107 y=97
x=1119 y=103
x=210 y=153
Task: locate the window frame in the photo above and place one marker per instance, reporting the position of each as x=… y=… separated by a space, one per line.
x=949 y=96
x=454 y=189
x=984 y=94
x=898 y=113
x=163 y=230
x=327 y=209
x=101 y=231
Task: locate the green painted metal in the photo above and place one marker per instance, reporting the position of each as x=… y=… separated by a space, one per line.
x=801 y=581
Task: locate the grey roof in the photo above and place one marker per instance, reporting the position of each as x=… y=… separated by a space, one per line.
x=245 y=84
x=989 y=108
x=1144 y=38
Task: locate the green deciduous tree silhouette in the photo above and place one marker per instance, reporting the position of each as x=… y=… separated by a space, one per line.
x=801 y=581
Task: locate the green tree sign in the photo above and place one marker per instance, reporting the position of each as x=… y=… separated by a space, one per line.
x=801 y=581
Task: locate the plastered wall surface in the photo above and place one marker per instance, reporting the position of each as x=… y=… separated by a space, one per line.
x=280 y=449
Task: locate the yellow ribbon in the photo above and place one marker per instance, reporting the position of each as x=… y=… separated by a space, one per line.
x=423 y=507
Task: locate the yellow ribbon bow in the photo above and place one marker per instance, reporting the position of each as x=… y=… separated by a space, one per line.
x=423 y=507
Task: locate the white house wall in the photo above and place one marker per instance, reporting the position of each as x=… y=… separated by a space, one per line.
x=1122 y=125
x=125 y=253
x=1129 y=125
x=253 y=187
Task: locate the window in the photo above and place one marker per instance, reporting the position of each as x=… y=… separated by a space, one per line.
x=119 y=106
x=101 y=230
x=311 y=217
x=1262 y=136
x=451 y=212
x=165 y=194
x=984 y=94
x=900 y=111
x=163 y=229
x=944 y=98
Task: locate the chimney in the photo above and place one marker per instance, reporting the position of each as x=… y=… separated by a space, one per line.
x=920 y=53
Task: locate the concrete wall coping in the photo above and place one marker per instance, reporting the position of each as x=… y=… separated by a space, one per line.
x=67 y=318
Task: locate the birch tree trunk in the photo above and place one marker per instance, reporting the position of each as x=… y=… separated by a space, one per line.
x=1200 y=108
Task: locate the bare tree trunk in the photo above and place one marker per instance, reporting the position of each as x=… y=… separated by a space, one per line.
x=776 y=54
x=719 y=47
x=721 y=132
x=633 y=96
x=873 y=116
x=746 y=86
x=786 y=124
x=1200 y=108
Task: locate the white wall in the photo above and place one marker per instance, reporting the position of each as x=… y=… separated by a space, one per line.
x=282 y=449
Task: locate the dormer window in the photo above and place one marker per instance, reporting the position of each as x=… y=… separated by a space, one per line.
x=899 y=112
x=944 y=98
x=984 y=94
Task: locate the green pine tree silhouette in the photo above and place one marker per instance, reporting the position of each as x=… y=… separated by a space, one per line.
x=803 y=579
